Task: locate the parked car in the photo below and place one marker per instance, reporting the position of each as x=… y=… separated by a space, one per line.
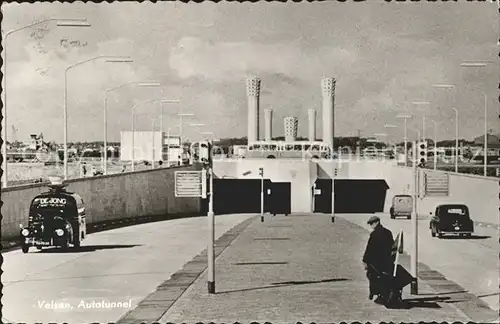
x=402 y=205
x=451 y=219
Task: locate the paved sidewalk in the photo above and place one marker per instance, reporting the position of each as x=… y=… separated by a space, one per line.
x=289 y=269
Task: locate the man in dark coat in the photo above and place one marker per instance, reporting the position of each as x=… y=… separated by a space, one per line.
x=378 y=259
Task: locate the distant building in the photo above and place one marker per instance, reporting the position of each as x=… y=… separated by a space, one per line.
x=493 y=141
x=148 y=145
x=291 y=128
x=36 y=142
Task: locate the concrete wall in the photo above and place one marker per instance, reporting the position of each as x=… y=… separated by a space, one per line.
x=124 y=195
x=299 y=173
x=477 y=192
x=325 y=169
x=226 y=168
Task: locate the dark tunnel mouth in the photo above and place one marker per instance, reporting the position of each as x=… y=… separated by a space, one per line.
x=361 y=196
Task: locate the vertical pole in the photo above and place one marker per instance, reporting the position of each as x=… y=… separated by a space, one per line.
x=485 y=135
x=161 y=132
x=211 y=234
x=423 y=128
x=406 y=144
x=261 y=194
x=153 y=145
x=180 y=128
x=435 y=146
x=333 y=186
x=133 y=138
x=105 y=156
x=65 y=125
x=168 y=147
x=456 y=140
x=414 y=223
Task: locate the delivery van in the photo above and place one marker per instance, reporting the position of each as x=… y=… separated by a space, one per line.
x=402 y=205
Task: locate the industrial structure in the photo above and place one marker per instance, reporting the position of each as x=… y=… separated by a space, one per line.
x=328 y=92
x=291 y=125
x=312 y=124
x=268 y=125
x=267 y=147
x=253 y=94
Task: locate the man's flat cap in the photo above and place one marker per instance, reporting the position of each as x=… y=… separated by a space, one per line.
x=373 y=219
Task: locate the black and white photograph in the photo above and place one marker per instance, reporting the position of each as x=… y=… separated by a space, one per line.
x=250 y=162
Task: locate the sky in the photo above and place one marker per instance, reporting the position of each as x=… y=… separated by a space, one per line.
x=383 y=55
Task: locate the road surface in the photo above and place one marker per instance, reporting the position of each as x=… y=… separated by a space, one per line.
x=122 y=265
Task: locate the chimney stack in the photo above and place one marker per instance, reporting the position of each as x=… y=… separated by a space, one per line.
x=312 y=124
x=328 y=92
x=291 y=124
x=253 y=93
x=268 y=124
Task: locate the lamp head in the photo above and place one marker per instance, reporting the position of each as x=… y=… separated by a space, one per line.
x=443 y=86
x=73 y=23
x=119 y=60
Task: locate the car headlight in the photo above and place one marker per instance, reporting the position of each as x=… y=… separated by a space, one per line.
x=59 y=232
x=25 y=232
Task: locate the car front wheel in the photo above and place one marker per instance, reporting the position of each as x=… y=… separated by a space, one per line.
x=433 y=232
x=25 y=248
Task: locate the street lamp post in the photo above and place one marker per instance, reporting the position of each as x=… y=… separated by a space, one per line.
x=60 y=23
x=139 y=84
x=475 y=65
x=180 y=122
x=133 y=122
x=405 y=135
x=109 y=59
x=456 y=139
x=435 y=144
x=450 y=86
x=423 y=116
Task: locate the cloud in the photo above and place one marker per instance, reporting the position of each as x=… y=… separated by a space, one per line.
x=36 y=85
x=230 y=61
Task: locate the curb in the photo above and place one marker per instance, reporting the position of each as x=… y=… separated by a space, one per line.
x=153 y=307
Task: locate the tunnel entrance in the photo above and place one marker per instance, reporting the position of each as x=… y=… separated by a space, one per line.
x=351 y=196
x=242 y=196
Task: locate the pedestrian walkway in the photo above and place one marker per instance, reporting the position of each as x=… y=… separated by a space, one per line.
x=287 y=269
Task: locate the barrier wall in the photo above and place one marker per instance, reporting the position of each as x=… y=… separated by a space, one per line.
x=479 y=193
x=110 y=197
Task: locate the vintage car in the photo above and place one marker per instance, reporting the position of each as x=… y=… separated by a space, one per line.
x=402 y=205
x=56 y=218
x=451 y=219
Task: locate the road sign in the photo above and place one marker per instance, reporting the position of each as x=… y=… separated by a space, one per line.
x=436 y=184
x=189 y=184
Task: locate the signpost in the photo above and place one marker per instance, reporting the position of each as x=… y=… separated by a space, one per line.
x=194 y=184
x=414 y=223
x=334 y=173
x=261 y=173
